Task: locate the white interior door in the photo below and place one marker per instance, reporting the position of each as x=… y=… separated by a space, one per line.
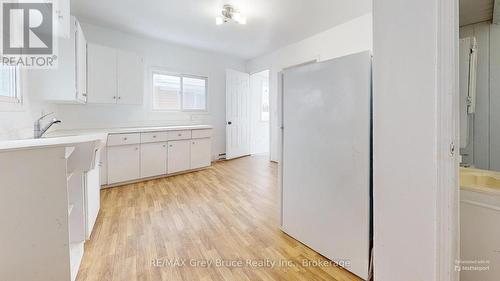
x=237 y=114
x=326 y=158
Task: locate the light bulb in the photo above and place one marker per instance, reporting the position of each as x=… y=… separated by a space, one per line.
x=219 y=21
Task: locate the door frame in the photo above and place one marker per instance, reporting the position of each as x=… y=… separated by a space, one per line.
x=448 y=102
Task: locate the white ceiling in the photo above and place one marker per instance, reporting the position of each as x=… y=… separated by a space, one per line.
x=271 y=23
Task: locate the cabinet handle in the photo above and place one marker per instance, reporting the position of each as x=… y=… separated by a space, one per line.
x=136 y=148
x=119 y=98
x=125 y=139
x=164 y=146
x=114 y=97
x=194 y=142
x=154 y=137
x=179 y=135
x=170 y=146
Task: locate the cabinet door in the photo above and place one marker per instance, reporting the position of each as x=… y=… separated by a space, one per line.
x=123 y=163
x=101 y=74
x=200 y=153
x=81 y=63
x=58 y=85
x=130 y=75
x=153 y=159
x=178 y=156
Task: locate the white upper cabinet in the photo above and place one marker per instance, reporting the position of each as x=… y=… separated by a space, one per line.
x=130 y=78
x=102 y=74
x=61 y=18
x=67 y=83
x=115 y=76
x=81 y=63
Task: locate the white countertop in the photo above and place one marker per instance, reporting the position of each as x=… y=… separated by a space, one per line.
x=59 y=133
x=68 y=137
x=51 y=141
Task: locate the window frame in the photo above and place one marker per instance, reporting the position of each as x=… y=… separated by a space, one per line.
x=181 y=76
x=15 y=87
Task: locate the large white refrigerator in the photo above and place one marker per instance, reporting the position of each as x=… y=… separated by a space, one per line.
x=326 y=158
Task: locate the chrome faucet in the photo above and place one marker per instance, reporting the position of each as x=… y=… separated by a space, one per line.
x=39 y=131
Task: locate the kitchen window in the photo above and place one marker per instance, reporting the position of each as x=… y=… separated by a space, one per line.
x=179 y=92
x=9 y=85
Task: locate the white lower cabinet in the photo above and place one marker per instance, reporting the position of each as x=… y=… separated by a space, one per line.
x=200 y=153
x=123 y=163
x=153 y=159
x=179 y=156
x=138 y=155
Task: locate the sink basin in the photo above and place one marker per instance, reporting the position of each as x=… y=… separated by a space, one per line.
x=479 y=179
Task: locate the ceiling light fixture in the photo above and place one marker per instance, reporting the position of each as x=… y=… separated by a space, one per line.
x=229 y=13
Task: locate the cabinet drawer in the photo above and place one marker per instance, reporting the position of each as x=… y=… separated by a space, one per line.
x=179 y=135
x=153 y=137
x=205 y=133
x=123 y=139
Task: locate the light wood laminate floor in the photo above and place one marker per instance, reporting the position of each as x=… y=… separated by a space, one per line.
x=229 y=212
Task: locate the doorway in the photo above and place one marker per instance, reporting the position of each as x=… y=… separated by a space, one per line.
x=247 y=114
x=259 y=113
x=479 y=108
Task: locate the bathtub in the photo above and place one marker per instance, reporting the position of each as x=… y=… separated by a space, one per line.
x=479 y=225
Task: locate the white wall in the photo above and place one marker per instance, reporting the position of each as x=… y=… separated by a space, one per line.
x=157 y=54
x=351 y=37
x=16 y=120
x=415 y=176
